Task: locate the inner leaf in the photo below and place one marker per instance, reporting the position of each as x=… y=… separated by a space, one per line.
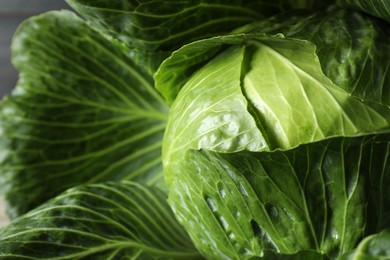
x=296 y=103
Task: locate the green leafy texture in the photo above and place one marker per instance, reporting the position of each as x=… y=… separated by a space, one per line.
x=296 y=103
x=349 y=46
x=315 y=197
x=167 y=25
x=83 y=111
x=302 y=106
x=378 y=8
x=115 y=220
x=158 y=27
x=174 y=72
x=212 y=112
x=372 y=247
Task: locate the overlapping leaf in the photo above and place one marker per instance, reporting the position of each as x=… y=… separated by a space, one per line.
x=158 y=27
x=304 y=106
x=167 y=25
x=372 y=247
x=116 y=220
x=313 y=197
x=211 y=110
x=175 y=71
x=300 y=88
x=349 y=46
x=83 y=111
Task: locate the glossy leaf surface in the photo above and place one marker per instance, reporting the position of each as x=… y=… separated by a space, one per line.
x=212 y=112
x=315 y=197
x=231 y=104
x=167 y=25
x=349 y=46
x=83 y=111
x=100 y=221
x=372 y=247
x=303 y=105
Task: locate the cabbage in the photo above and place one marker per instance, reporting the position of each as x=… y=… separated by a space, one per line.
x=199 y=129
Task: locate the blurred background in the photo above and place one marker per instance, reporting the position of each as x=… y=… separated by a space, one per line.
x=12 y=13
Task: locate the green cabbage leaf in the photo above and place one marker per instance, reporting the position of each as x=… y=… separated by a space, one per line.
x=372 y=247
x=323 y=196
x=112 y=220
x=160 y=25
x=83 y=111
x=199 y=129
x=273 y=144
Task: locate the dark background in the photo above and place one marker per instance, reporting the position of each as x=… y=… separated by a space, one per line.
x=12 y=13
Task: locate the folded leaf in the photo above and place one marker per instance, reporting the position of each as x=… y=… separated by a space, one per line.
x=174 y=72
x=315 y=197
x=211 y=112
x=238 y=101
x=354 y=62
x=372 y=247
x=100 y=221
x=304 y=105
x=83 y=111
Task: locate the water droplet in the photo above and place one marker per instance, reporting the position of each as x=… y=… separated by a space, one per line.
x=224 y=223
x=231 y=235
x=222 y=191
x=247 y=251
x=212 y=204
x=242 y=189
x=335 y=234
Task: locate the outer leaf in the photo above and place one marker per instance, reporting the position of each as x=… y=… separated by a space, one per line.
x=82 y=112
x=312 y=197
x=122 y=220
x=157 y=27
x=167 y=25
x=379 y=8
